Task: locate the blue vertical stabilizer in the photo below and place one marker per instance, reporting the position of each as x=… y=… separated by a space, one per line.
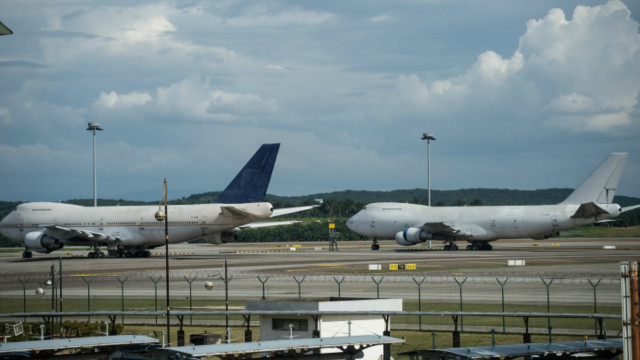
x=250 y=185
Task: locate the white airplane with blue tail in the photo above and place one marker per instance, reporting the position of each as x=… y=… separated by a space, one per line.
x=130 y=231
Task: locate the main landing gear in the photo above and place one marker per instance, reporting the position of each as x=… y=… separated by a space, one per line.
x=474 y=245
x=451 y=246
x=479 y=245
x=121 y=253
x=26 y=254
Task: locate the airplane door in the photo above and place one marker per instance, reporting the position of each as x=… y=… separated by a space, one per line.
x=372 y=224
x=203 y=225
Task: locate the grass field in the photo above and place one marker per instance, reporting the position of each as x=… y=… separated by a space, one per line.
x=591 y=231
x=414 y=339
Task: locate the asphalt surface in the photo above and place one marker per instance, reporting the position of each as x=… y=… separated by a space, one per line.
x=572 y=269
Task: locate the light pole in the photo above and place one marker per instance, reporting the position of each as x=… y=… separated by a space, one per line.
x=164 y=216
x=93 y=126
x=428 y=137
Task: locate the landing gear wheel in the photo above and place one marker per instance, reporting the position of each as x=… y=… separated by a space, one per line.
x=375 y=247
x=27 y=254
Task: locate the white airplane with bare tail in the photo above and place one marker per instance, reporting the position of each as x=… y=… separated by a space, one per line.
x=412 y=224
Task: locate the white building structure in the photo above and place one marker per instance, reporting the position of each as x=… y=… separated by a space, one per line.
x=282 y=327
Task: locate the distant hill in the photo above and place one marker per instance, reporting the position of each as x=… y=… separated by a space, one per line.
x=476 y=196
x=438 y=197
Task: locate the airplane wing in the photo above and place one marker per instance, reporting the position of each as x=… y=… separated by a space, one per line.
x=291 y=210
x=450 y=229
x=71 y=234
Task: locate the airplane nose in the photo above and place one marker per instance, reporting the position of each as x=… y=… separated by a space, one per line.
x=352 y=223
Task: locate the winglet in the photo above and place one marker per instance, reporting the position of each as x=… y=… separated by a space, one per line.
x=250 y=185
x=601 y=185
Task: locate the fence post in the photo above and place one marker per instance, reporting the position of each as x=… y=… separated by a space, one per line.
x=122 y=295
x=419 y=283
x=89 y=294
x=548 y=303
x=339 y=285
x=377 y=285
x=595 y=306
x=502 y=284
x=299 y=285
x=460 y=286
x=24 y=299
x=190 y=281
x=155 y=286
x=263 y=282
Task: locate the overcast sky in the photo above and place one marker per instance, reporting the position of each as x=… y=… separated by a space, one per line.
x=519 y=94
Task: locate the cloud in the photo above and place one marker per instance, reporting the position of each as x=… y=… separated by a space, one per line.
x=261 y=16
x=113 y=100
x=5 y=116
x=194 y=98
x=381 y=18
x=342 y=86
x=580 y=74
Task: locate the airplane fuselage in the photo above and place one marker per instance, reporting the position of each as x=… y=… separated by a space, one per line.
x=128 y=226
x=486 y=223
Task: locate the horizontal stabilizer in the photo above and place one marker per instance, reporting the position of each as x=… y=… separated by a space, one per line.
x=267 y=224
x=587 y=211
x=629 y=208
x=291 y=210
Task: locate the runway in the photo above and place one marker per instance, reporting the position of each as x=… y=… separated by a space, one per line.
x=575 y=265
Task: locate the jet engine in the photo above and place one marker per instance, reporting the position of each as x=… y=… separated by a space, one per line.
x=221 y=238
x=412 y=235
x=39 y=241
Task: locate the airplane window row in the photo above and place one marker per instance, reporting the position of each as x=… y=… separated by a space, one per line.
x=109 y=224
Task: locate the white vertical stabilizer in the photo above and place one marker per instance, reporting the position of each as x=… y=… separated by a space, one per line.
x=600 y=187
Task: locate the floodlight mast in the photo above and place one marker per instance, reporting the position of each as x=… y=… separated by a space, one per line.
x=428 y=137
x=93 y=126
